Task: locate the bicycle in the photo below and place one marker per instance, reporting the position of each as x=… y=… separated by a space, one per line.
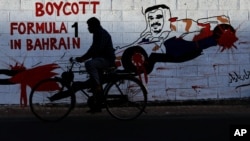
x=125 y=96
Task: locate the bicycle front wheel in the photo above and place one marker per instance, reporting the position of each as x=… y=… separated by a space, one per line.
x=45 y=109
x=126 y=98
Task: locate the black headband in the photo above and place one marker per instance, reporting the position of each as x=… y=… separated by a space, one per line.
x=156 y=7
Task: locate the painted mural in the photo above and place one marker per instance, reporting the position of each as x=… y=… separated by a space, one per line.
x=166 y=38
x=168 y=45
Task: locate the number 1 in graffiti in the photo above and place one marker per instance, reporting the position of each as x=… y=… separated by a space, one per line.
x=75 y=25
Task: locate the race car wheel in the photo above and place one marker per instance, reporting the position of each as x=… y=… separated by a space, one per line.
x=135 y=59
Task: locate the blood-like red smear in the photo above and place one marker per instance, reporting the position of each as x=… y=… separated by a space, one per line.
x=30 y=77
x=205 y=32
x=227 y=40
x=137 y=58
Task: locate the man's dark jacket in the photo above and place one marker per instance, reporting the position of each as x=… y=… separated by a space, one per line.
x=102 y=46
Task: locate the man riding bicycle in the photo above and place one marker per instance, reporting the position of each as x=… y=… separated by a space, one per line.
x=99 y=56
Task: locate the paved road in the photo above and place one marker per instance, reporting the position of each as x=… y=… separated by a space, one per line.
x=173 y=123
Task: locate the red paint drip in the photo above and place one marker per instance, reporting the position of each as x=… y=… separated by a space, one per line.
x=197 y=87
x=244 y=42
x=23 y=96
x=161 y=68
x=138 y=60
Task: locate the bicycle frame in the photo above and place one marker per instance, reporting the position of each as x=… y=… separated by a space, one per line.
x=125 y=95
x=68 y=76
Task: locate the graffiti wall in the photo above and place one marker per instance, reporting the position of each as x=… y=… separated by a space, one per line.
x=181 y=50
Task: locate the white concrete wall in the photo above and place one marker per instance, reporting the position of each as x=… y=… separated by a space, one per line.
x=205 y=77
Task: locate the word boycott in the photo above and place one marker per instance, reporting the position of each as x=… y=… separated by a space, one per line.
x=67 y=8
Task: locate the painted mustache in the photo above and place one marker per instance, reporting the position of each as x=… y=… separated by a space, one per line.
x=158 y=24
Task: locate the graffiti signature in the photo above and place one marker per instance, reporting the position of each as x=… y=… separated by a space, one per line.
x=235 y=77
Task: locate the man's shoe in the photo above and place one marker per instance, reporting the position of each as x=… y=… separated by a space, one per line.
x=59 y=95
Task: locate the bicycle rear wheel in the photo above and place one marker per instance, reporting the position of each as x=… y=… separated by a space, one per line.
x=47 y=110
x=126 y=98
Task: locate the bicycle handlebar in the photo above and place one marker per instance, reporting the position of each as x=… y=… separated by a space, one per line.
x=74 y=62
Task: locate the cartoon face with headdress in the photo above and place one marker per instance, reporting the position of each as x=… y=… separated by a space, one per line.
x=156 y=17
x=156 y=21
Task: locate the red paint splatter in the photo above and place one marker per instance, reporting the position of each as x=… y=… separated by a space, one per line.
x=227 y=40
x=197 y=87
x=18 y=67
x=244 y=42
x=225 y=33
x=173 y=19
x=30 y=77
x=226 y=37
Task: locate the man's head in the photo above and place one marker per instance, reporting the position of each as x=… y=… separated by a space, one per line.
x=156 y=21
x=93 y=24
x=156 y=17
